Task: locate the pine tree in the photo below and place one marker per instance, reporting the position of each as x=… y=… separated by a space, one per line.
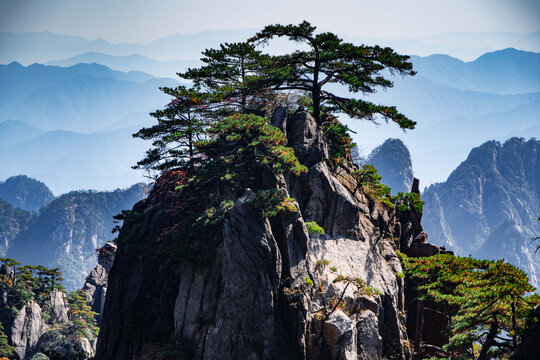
x=5 y=348
x=227 y=73
x=330 y=60
x=490 y=297
x=183 y=122
x=83 y=319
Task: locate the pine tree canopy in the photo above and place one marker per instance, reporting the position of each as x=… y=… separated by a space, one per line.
x=330 y=60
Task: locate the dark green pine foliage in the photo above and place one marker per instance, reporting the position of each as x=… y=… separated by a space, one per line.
x=183 y=122
x=5 y=348
x=228 y=73
x=330 y=60
x=490 y=297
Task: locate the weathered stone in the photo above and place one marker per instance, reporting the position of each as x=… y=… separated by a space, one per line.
x=340 y=336
x=369 y=339
x=421 y=238
x=418 y=249
x=27 y=329
x=305 y=136
x=266 y=289
x=279 y=118
x=59 y=307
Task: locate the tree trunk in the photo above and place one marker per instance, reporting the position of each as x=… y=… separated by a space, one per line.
x=489 y=341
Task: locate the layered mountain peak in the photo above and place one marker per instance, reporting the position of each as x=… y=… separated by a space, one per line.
x=26 y=193
x=393 y=162
x=490 y=204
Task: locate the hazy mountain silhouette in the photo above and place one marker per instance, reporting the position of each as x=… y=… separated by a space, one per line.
x=84 y=97
x=25 y=193
x=129 y=63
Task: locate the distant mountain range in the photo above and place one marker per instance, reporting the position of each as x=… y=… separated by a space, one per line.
x=393 y=162
x=129 y=63
x=508 y=71
x=66 y=231
x=457 y=105
x=43 y=47
x=84 y=97
x=489 y=205
x=452 y=117
x=12 y=221
x=69 y=160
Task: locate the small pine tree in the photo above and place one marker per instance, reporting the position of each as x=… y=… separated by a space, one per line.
x=5 y=348
x=183 y=122
x=83 y=319
x=490 y=297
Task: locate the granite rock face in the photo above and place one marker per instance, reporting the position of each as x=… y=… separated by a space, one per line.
x=26 y=330
x=59 y=307
x=96 y=282
x=489 y=205
x=267 y=288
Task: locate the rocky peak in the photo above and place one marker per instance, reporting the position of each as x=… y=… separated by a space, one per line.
x=393 y=162
x=264 y=287
x=489 y=205
x=25 y=193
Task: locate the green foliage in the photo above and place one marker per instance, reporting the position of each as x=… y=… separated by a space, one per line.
x=240 y=146
x=329 y=60
x=5 y=348
x=406 y=201
x=369 y=179
x=227 y=73
x=183 y=122
x=313 y=228
x=214 y=215
x=361 y=285
x=321 y=264
x=272 y=202
x=339 y=141
x=308 y=281
x=59 y=344
x=490 y=297
x=23 y=283
x=83 y=319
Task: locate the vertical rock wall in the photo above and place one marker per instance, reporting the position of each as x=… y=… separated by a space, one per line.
x=268 y=289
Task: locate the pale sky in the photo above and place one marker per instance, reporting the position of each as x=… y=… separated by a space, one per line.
x=145 y=20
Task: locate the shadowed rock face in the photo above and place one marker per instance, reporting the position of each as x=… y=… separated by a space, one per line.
x=266 y=289
x=96 y=282
x=489 y=205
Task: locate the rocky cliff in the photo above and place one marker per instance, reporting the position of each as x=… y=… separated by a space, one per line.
x=12 y=222
x=393 y=162
x=48 y=326
x=67 y=231
x=259 y=287
x=489 y=205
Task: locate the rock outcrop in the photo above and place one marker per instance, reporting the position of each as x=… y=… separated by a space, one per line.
x=96 y=282
x=26 y=330
x=68 y=230
x=264 y=288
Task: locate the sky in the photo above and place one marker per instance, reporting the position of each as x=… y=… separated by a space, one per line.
x=145 y=20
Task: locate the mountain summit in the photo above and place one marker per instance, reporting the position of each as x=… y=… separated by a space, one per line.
x=490 y=204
